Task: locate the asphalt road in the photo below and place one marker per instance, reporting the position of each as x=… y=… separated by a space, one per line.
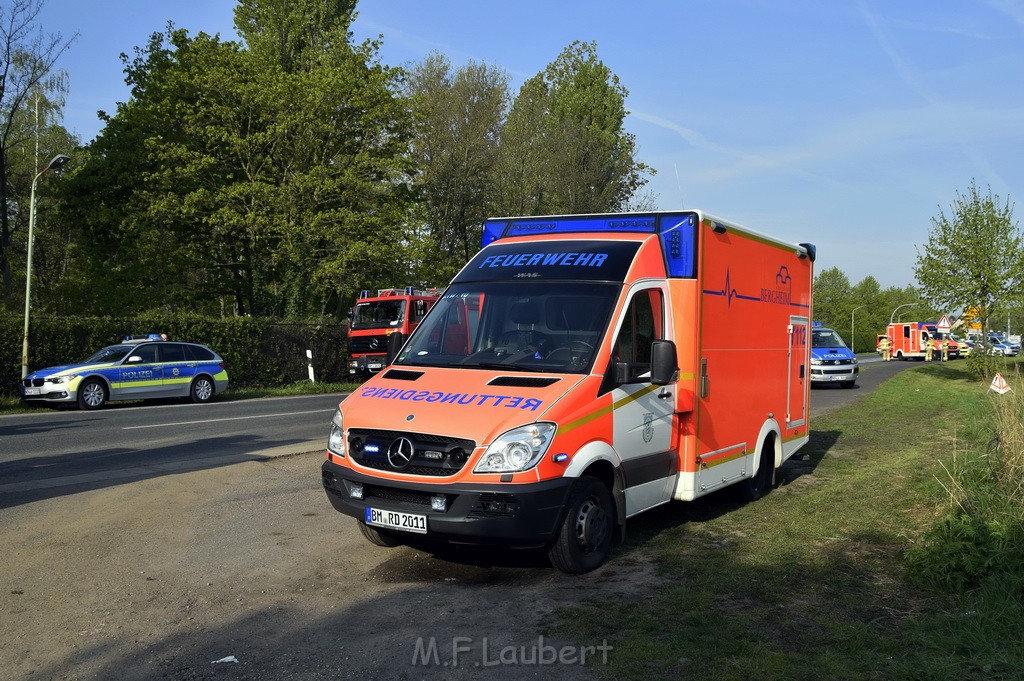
x=60 y=451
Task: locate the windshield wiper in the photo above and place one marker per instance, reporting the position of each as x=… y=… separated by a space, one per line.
x=498 y=365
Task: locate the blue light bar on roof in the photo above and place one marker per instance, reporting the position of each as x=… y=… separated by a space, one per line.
x=676 y=231
x=496 y=229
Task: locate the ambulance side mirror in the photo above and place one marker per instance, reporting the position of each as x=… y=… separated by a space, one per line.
x=663 y=362
x=395 y=343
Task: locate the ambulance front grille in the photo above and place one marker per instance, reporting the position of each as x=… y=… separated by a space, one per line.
x=433 y=455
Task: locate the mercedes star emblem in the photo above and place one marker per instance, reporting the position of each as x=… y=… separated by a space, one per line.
x=400 y=453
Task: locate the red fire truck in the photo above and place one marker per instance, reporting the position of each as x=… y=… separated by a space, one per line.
x=909 y=340
x=375 y=318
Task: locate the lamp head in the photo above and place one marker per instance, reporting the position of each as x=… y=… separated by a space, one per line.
x=57 y=162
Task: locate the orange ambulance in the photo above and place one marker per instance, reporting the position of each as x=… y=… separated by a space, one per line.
x=579 y=370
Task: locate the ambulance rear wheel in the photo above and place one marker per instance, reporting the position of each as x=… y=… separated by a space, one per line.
x=378 y=537
x=757 y=485
x=92 y=394
x=585 y=538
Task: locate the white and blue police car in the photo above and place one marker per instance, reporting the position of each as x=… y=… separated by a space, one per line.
x=139 y=368
x=831 y=360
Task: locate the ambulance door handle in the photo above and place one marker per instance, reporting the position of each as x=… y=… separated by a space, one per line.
x=802 y=370
x=665 y=395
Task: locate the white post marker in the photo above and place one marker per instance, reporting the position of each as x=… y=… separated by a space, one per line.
x=1000 y=385
x=309 y=365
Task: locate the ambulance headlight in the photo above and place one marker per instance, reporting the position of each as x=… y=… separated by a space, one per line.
x=517 y=450
x=336 y=438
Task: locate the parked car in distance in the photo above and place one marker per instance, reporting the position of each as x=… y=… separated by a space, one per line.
x=137 y=369
x=1007 y=347
x=965 y=346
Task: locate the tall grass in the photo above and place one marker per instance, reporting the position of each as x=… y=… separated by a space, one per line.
x=979 y=541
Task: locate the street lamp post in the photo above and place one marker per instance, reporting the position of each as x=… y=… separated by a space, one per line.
x=893 y=315
x=55 y=164
x=852 y=341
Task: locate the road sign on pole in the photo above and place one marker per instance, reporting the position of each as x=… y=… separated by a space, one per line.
x=944 y=326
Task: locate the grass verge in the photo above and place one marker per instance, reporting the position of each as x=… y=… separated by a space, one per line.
x=811 y=581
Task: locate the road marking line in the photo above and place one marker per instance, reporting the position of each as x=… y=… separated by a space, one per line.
x=232 y=418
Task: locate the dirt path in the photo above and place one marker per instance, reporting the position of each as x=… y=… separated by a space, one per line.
x=159 y=578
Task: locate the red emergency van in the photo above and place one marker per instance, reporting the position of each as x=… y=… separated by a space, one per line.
x=578 y=371
x=376 y=317
x=909 y=340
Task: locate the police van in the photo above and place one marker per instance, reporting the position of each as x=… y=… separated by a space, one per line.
x=831 y=360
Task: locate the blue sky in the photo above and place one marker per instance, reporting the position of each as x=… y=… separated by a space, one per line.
x=845 y=123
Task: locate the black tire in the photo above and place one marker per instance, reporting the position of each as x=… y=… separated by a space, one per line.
x=92 y=394
x=585 y=537
x=756 y=486
x=202 y=389
x=378 y=537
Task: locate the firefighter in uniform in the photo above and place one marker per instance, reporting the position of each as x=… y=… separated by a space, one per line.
x=945 y=349
x=885 y=347
x=929 y=349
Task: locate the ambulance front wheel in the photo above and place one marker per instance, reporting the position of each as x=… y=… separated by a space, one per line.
x=378 y=537
x=585 y=537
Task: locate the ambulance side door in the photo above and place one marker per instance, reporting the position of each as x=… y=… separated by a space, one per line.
x=644 y=414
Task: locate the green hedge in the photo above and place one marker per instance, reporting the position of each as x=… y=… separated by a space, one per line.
x=257 y=352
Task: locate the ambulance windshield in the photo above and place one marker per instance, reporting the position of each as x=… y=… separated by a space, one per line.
x=378 y=314
x=552 y=327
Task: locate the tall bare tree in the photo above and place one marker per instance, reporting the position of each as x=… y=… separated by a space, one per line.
x=27 y=60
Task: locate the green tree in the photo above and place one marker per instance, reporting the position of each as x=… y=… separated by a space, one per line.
x=974 y=256
x=564 y=148
x=831 y=297
x=455 y=150
x=27 y=78
x=270 y=179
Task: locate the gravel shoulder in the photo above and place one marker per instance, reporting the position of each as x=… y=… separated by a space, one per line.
x=161 y=577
